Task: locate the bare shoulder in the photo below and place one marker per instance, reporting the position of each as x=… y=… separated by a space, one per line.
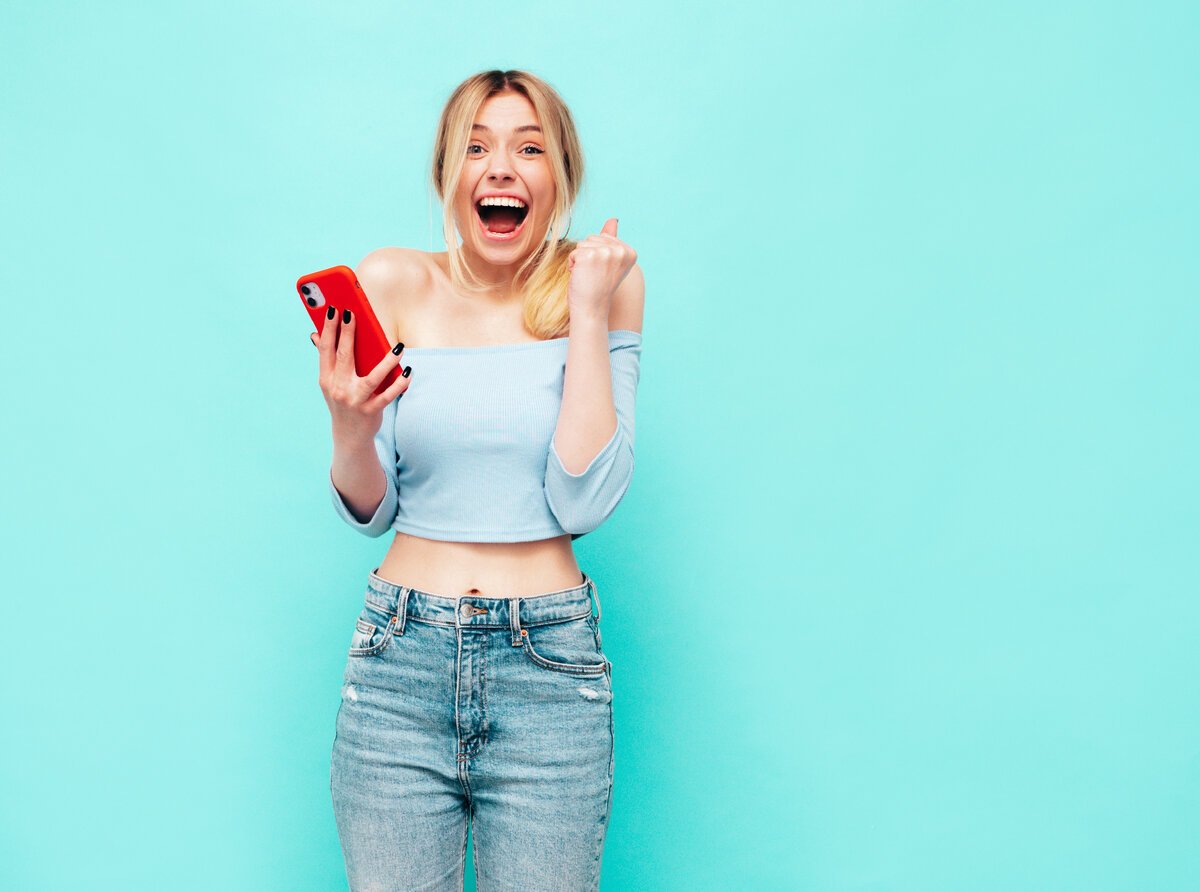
x=393 y=279
x=391 y=269
x=628 y=302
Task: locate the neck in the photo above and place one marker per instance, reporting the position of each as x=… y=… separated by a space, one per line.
x=500 y=279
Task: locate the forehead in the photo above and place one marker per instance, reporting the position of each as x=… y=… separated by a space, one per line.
x=506 y=111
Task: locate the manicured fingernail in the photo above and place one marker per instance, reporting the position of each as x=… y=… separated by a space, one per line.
x=345 y=317
x=332 y=312
x=398 y=348
x=407 y=370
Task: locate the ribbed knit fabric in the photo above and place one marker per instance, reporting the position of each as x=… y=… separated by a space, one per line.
x=468 y=449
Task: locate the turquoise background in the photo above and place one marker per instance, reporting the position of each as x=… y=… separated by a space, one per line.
x=904 y=594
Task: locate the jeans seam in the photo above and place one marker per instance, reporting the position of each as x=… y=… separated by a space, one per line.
x=375 y=649
x=390 y=611
x=589 y=669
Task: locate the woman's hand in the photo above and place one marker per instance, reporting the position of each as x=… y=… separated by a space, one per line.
x=598 y=265
x=355 y=409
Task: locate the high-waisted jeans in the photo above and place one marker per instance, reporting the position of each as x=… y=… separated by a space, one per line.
x=496 y=711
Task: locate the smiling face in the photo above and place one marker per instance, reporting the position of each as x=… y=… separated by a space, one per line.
x=505 y=156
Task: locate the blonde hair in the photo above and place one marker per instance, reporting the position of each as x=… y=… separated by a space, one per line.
x=542 y=278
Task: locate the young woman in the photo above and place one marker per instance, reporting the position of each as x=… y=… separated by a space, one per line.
x=476 y=689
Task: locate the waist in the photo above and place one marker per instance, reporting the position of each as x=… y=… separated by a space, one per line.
x=478 y=611
x=488 y=569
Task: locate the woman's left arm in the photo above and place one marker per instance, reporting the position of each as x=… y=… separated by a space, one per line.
x=591 y=454
x=601 y=290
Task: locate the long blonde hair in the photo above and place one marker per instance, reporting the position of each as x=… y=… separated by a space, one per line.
x=542 y=278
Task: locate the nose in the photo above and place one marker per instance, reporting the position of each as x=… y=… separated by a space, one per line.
x=499 y=168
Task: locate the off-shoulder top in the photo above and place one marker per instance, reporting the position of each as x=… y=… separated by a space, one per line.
x=468 y=449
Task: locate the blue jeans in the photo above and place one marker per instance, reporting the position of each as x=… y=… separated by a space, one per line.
x=496 y=711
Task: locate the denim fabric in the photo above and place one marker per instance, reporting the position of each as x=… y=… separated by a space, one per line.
x=496 y=711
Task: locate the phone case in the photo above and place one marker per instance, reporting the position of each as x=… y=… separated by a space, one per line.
x=339 y=287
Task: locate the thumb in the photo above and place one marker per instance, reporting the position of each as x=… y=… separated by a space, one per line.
x=610 y=228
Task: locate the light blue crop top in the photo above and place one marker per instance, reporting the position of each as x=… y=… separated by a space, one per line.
x=468 y=449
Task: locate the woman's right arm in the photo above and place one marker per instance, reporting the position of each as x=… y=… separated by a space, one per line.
x=358 y=477
x=362 y=475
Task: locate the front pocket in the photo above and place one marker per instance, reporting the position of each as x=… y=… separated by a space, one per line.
x=568 y=647
x=369 y=638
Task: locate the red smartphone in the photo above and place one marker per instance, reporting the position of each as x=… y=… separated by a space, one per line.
x=338 y=287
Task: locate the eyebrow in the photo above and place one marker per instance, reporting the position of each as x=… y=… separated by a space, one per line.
x=515 y=129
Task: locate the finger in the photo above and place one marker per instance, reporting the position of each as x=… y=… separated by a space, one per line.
x=397 y=387
x=610 y=227
x=312 y=339
x=390 y=360
x=328 y=341
x=345 y=347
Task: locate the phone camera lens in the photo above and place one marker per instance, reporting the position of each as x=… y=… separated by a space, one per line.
x=307 y=289
x=311 y=301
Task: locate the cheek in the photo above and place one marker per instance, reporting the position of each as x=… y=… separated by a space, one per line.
x=465 y=211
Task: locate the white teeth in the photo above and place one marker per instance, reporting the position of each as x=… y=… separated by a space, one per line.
x=505 y=202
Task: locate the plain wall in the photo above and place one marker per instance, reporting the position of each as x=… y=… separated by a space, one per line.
x=904 y=594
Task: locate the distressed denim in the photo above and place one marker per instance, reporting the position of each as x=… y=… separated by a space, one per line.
x=493 y=711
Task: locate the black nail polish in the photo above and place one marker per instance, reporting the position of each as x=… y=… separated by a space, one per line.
x=345 y=317
x=407 y=370
x=332 y=312
x=398 y=348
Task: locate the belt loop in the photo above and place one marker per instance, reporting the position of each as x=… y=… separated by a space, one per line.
x=514 y=620
x=401 y=609
x=595 y=594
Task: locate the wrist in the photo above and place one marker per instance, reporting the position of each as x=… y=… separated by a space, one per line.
x=583 y=322
x=351 y=440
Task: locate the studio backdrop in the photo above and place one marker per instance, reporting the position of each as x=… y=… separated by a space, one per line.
x=904 y=593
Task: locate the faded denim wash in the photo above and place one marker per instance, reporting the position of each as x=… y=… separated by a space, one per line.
x=496 y=711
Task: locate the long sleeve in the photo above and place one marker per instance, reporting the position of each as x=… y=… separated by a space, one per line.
x=385 y=447
x=582 y=502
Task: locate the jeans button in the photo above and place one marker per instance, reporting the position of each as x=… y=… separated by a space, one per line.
x=466 y=610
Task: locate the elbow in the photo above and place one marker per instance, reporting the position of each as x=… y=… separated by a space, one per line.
x=375 y=526
x=582 y=502
x=374 y=531
x=579 y=522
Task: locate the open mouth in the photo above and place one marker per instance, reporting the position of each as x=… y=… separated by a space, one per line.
x=501 y=221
